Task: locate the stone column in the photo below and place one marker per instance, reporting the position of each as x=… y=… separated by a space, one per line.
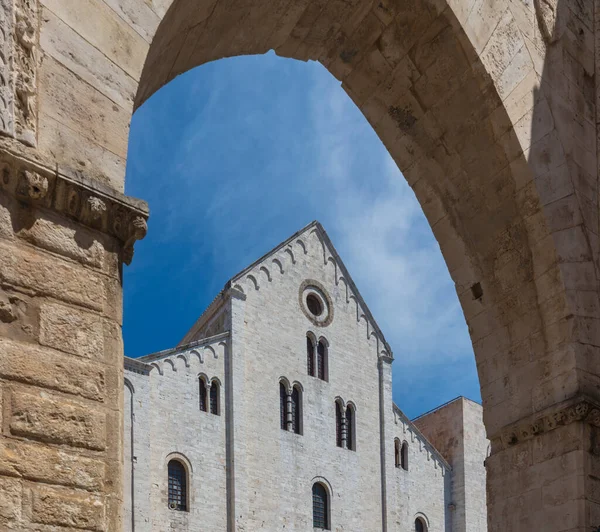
x=63 y=239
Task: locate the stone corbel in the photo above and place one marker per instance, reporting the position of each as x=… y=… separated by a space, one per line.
x=81 y=199
x=580 y=409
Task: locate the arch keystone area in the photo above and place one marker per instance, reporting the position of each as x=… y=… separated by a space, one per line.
x=487 y=107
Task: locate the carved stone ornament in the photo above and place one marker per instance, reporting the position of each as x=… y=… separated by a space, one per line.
x=88 y=202
x=551 y=25
x=580 y=409
x=18 y=69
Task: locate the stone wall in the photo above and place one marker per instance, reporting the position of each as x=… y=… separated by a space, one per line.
x=167 y=423
x=457 y=431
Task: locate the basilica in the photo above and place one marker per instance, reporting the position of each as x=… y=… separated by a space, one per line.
x=275 y=413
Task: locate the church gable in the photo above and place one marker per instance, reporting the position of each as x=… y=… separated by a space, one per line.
x=311 y=249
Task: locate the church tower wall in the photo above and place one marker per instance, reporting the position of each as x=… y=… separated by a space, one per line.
x=274 y=484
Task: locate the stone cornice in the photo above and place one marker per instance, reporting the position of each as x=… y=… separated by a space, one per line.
x=581 y=408
x=84 y=200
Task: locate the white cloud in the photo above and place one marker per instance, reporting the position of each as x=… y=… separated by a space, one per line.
x=384 y=237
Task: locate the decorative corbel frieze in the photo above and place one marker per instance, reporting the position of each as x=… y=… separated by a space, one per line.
x=581 y=409
x=78 y=198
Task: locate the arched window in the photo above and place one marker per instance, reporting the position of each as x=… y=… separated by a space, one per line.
x=214 y=397
x=322 y=360
x=338 y=425
x=397 y=452
x=420 y=525
x=177 y=486
x=203 y=394
x=320 y=507
x=297 y=410
x=282 y=406
x=404 y=456
x=310 y=356
x=350 y=428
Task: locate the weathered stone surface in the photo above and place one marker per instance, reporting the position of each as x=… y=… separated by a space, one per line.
x=10 y=499
x=57 y=421
x=64 y=44
x=48 y=369
x=71 y=330
x=50 y=276
x=67 y=509
x=101 y=26
x=39 y=463
x=64 y=97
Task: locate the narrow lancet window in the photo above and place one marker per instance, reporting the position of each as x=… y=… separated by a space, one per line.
x=338 y=425
x=310 y=356
x=214 y=398
x=203 y=394
x=397 y=452
x=321 y=360
x=297 y=410
x=350 y=435
x=177 y=486
x=282 y=406
x=404 y=456
x=320 y=507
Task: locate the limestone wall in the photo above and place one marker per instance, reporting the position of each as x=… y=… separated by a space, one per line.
x=457 y=431
x=423 y=490
x=167 y=422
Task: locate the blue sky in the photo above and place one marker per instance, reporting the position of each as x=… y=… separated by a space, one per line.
x=237 y=155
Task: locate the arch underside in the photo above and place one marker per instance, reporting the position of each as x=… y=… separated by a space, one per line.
x=460 y=130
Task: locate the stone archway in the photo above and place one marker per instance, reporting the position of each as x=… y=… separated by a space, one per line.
x=487 y=107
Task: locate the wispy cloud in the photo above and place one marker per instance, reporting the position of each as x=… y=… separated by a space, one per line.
x=237 y=155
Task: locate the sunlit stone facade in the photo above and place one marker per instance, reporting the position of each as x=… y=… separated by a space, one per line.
x=247 y=405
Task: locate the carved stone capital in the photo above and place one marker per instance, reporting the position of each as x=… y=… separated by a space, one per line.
x=84 y=200
x=579 y=409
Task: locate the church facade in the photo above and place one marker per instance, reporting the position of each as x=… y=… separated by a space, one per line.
x=275 y=413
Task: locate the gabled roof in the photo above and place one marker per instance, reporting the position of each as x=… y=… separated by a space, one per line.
x=324 y=237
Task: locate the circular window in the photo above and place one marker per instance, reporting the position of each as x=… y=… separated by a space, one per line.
x=316 y=303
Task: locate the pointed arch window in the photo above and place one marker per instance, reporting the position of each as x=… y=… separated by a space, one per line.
x=397 y=452
x=350 y=428
x=177 y=486
x=339 y=441
x=404 y=456
x=322 y=360
x=282 y=406
x=297 y=410
x=310 y=356
x=320 y=507
x=214 y=397
x=420 y=525
x=203 y=394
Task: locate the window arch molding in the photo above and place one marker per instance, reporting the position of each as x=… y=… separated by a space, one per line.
x=422 y=518
x=187 y=466
x=129 y=385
